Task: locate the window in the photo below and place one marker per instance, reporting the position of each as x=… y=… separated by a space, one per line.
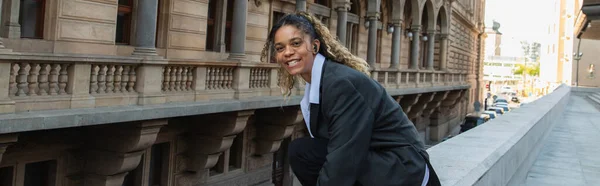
x=31 y=18
x=6 y=176
x=216 y=19
x=40 y=173
x=276 y=17
x=123 y=31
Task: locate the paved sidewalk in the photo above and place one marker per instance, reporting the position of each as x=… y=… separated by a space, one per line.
x=571 y=153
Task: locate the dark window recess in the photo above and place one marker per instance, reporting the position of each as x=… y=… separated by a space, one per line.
x=123 y=31
x=235 y=152
x=159 y=165
x=6 y=176
x=322 y=2
x=228 y=23
x=31 y=18
x=40 y=173
x=276 y=17
x=212 y=23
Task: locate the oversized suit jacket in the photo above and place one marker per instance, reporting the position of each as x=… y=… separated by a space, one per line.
x=371 y=140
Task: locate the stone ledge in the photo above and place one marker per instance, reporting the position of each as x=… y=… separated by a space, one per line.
x=55 y=119
x=498 y=152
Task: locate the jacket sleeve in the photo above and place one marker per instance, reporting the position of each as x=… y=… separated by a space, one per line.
x=350 y=128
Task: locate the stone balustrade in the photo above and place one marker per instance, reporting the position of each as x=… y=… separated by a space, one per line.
x=407 y=78
x=53 y=81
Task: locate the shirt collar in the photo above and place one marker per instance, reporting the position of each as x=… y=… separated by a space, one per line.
x=315 y=78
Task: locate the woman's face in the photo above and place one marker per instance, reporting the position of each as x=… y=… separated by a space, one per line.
x=294 y=51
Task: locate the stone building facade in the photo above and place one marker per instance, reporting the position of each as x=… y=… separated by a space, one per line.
x=172 y=92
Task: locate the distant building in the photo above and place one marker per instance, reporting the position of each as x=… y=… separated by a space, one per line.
x=556 y=56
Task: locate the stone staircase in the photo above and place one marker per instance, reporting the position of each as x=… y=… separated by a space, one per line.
x=595 y=99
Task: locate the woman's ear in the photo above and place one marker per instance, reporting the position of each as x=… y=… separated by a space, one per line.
x=316 y=46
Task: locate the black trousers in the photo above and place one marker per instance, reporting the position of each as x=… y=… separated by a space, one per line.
x=307 y=156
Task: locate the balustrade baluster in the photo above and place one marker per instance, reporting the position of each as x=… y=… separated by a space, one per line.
x=190 y=78
x=22 y=79
x=209 y=78
x=230 y=78
x=94 y=79
x=43 y=80
x=109 y=79
x=32 y=79
x=178 y=79
x=63 y=79
x=166 y=78
x=125 y=79
x=102 y=79
x=184 y=78
x=118 y=74
x=173 y=79
x=132 y=79
x=54 y=79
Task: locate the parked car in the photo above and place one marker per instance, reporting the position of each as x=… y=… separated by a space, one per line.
x=498 y=110
x=505 y=107
x=506 y=89
x=473 y=121
x=491 y=114
x=502 y=100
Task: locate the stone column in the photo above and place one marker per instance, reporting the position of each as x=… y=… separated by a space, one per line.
x=372 y=43
x=10 y=18
x=414 y=55
x=443 y=51
x=145 y=31
x=342 y=20
x=396 y=41
x=300 y=5
x=430 y=48
x=238 y=37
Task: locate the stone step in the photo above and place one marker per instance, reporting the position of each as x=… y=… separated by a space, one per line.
x=596 y=95
x=594 y=100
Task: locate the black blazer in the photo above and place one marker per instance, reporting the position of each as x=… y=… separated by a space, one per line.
x=371 y=140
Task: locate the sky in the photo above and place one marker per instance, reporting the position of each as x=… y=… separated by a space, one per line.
x=520 y=20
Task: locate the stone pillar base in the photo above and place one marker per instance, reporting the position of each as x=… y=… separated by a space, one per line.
x=142 y=51
x=7 y=106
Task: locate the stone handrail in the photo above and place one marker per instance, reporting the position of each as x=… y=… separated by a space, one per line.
x=31 y=82
x=501 y=151
x=407 y=78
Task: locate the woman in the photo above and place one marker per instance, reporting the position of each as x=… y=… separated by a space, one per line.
x=358 y=133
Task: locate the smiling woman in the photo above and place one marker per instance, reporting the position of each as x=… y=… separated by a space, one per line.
x=357 y=131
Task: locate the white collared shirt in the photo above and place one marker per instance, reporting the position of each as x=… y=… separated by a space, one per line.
x=311 y=90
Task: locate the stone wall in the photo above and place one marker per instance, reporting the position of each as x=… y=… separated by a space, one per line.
x=501 y=151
